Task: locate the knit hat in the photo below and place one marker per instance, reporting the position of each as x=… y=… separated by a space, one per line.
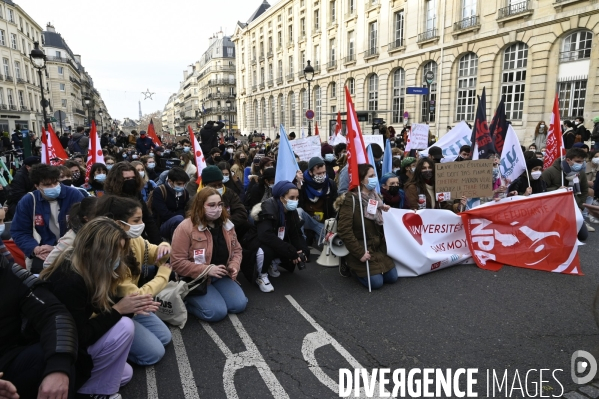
x=407 y=161
x=386 y=177
x=326 y=149
x=211 y=174
x=316 y=161
x=596 y=119
x=269 y=174
x=281 y=188
x=533 y=163
x=30 y=161
x=578 y=145
x=436 y=153
x=264 y=161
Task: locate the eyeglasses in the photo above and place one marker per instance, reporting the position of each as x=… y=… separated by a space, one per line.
x=215 y=205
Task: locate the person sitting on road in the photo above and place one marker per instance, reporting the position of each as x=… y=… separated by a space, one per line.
x=97 y=177
x=169 y=202
x=20 y=185
x=350 y=230
x=278 y=238
x=188 y=166
x=149 y=163
x=391 y=191
x=422 y=182
x=229 y=182
x=262 y=191
x=149 y=185
x=206 y=240
x=533 y=172
x=66 y=179
x=87 y=288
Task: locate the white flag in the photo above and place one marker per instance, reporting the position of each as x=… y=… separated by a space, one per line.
x=512 y=163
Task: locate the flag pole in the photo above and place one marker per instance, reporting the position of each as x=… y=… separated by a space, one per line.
x=364 y=234
x=561 y=155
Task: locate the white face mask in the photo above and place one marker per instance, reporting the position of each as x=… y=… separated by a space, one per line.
x=595 y=161
x=142 y=174
x=536 y=175
x=135 y=230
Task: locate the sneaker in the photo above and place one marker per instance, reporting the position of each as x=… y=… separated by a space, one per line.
x=344 y=269
x=273 y=270
x=264 y=283
x=590 y=228
x=593 y=219
x=96 y=396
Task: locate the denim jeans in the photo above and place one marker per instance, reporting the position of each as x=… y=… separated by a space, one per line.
x=168 y=226
x=224 y=296
x=151 y=336
x=311 y=224
x=378 y=280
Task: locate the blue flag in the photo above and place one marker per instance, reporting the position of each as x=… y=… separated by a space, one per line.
x=286 y=163
x=387 y=159
x=373 y=163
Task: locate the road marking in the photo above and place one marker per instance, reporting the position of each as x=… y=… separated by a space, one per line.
x=318 y=339
x=190 y=389
x=151 y=382
x=251 y=357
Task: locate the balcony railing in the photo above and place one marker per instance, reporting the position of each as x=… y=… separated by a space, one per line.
x=21 y=80
x=395 y=44
x=270 y=83
x=427 y=35
x=466 y=23
x=280 y=80
x=569 y=56
x=8 y=78
x=261 y=85
x=13 y=107
x=349 y=58
x=514 y=9
x=332 y=64
x=79 y=111
x=24 y=108
x=290 y=76
x=371 y=52
x=219 y=82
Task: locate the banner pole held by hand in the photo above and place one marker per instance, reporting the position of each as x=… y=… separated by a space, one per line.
x=364 y=234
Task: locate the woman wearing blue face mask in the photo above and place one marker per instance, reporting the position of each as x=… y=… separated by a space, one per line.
x=149 y=185
x=97 y=177
x=149 y=163
x=349 y=228
x=278 y=239
x=229 y=180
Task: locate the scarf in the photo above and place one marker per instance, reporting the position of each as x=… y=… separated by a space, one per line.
x=315 y=190
x=378 y=216
x=394 y=201
x=570 y=175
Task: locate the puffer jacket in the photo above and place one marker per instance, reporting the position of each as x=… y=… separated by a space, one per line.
x=553 y=178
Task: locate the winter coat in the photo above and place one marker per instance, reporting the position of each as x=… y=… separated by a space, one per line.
x=188 y=239
x=132 y=140
x=569 y=138
x=20 y=185
x=82 y=140
x=521 y=184
x=349 y=228
x=237 y=212
x=209 y=136
x=165 y=208
x=553 y=178
x=143 y=145
x=595 y=133
x=325 y=202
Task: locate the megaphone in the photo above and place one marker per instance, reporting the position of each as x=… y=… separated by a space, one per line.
x=326 y=258
x=337 y=247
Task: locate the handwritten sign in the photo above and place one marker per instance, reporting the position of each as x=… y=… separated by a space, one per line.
x=306 y=148
x=468 y=178
x=374 y=138
x=419 y=136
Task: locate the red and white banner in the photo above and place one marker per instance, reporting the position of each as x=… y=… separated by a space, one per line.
x=52 y=151
x=197 y=152
x=536 y=232
x=425 y=241
x=94 y=150
x=356 y=150
x=555 y=142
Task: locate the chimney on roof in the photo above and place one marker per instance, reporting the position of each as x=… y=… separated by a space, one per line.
x=50 y=28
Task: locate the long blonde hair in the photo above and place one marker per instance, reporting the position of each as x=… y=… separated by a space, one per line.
x=93 y=255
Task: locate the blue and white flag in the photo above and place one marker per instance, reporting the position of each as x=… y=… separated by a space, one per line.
x=512 y=163
x=387 y=159
x=286 y=164
x=373 y=163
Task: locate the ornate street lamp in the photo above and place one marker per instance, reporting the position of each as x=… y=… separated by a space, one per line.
x=38 y=59
x=87 y=102
x=228 y=103
x=102 y=119
x=309 y=75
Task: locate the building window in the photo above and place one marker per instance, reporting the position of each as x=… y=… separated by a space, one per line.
x=577 y=46
x=256 y=125
x=280 y=39
x=350 y=46
x=316 y=20
x=62 y=87
x=468 y=9
x=333 y=8
x=572 y=95
x=332 y=51
x=11 y=15
x=351 y=6
x=467 y=71
x=13 y=41
x=316 y=57
x=372 y=36
x=431 y=15
x=64 y=103
x=304 y=104
x=373 y=93
x=427 y=114
x=2 y=38
x=17 y=70
x=351 y=85
x=290 y=34
x=263 y=114
x=281 y=109
x=61 y=70
x=6 y=67
x=273 y=108
x=292 y=109
x=291 y=65
x=302 y=27
x=333 y=90
x=1 y=96
x=317 y=103
x=11 y=101
x=58 y=54
x=515 y=59
x=398 y=25
x=270 y=72
x=398 y=99
x=21 y=98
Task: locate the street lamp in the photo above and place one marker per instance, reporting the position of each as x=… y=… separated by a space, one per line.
x=228 y=103
x=38 y=58
x=309 y=75
x=102 y=119
x=87 y=102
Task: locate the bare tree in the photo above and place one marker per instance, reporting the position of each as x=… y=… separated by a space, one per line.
x=156 y=116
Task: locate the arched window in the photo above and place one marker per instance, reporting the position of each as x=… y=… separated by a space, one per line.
x=513 y=78
x=429 y=110
x=273 y=111
x=281 y=110
x=245 y=115
x=398 y=99
x=351 y=85
x=373 y=93
x=576 y=46
x=317 y=103
x=466 y=98
x=304 y=106
x=291 y=109
x=263 y=113
x=256 y=112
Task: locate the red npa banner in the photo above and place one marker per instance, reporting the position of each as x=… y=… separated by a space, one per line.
x=536 y=232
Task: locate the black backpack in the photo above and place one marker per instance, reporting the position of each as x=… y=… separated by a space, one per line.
x=74 y=145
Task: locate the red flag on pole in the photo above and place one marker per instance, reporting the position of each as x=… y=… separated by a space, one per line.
x=94 y=150
x=338 y=124
x=45 y=157
x=356 y=150
x=197 y=153
x=54 y=148
x=316 y=129
x=152 y=134
x=555 y=142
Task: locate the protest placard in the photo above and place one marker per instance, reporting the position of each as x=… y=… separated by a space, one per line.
x=467 y=178
x=419 y=136
x=374 y=138
x=306 y=148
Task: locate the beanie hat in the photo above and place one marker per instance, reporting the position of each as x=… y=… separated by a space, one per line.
x=407 y=161
x=596 y=119
x=281 y=188
x=316 y=161
x=533 y=163
x=211 y=174
x=326 y=149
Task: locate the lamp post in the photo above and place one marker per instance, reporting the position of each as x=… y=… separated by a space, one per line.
x=87 y=102
x=102 y=119
x=309 y=75
x=228 y=103
x=38 y=58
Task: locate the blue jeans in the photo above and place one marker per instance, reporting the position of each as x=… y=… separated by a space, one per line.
x=378 y=280
x=310 y=223
x=168 y=227
x=151 y=335
x=223 y=296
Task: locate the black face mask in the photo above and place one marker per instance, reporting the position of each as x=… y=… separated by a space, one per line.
x=130 y=187
x=393 y=190
x=216 y=158
x=427 y=174
x=67 y=182
x=76 y=176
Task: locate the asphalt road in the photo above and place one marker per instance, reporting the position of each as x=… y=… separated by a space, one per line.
x=461 y=317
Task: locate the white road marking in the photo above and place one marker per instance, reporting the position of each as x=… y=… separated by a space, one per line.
x=251 y=357
x=151 y=382
x=318 y=339
x=190 y=389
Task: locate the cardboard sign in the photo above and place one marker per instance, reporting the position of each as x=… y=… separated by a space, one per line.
x=419 y=136
x=374 y=138
x=306 y=148
x=468 y=178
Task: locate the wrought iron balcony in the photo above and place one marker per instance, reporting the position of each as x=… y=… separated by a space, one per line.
x=515 y=9
x=349 y=58
x=371 y=52
x=466 y=23
x=428 y=35
x=280 y=80
x=395 y=44
x=332 y=64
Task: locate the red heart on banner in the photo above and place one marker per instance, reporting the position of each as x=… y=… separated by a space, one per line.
x=413 y=223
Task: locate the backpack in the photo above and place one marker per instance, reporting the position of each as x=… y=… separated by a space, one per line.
x=586 y=135
x=151 y=196
x=74 y=145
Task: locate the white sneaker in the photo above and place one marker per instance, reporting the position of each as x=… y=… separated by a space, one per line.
x=273 y=270
x=593 y=219
x=590 y=228
x=264 y=283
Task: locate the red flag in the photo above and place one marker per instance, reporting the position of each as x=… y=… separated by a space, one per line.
x=316 y=129
x=537 y=232
x=94 y=150
x=338 y=124
x=555 y=142
x=152 y=134
x=54 y=148
x=356 y=151
x=197 y=153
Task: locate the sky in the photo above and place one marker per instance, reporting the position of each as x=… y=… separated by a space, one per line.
x=130 y=46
